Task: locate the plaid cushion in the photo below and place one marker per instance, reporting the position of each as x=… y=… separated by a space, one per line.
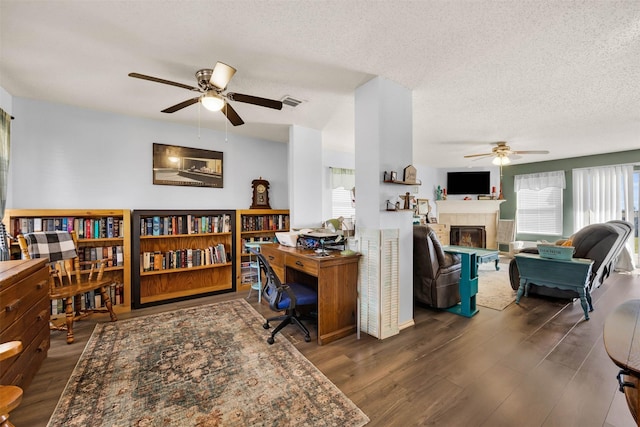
x=55 y=245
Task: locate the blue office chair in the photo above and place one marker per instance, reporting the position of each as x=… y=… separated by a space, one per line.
x=285 y=297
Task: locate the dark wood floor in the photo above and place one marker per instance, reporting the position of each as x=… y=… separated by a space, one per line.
x=537 y=364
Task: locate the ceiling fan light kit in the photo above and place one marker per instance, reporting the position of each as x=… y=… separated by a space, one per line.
x=212 y=101
x=212 y=83
x=501 y=161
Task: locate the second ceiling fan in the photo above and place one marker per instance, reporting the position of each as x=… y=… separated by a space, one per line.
x=502 y=151
x=211 y=85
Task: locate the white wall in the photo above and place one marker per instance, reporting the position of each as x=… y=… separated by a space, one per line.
x=67 y=157
x=6 y=101
x=305 y=177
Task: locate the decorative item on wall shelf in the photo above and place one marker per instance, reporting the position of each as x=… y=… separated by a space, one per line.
x=410 y=174
x=393 y=207
x=423 y=207
x=408 y=198
x=481 y=197
x=409 y=177
x=184 y=166
x=260 y=198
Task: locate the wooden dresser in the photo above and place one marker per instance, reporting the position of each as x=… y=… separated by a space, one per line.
x=24 y=316
x=442 y=231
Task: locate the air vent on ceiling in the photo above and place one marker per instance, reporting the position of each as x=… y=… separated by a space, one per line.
x=291 y=102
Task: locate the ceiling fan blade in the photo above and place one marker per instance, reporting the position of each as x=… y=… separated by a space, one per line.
x=181 y=105
x=221 y=75
x=531 y=152
x=255 y=100
x=478 y=155
x=163 y=81
x=231 y=114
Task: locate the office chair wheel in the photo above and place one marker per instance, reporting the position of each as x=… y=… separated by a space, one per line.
x=307 y=338
x=270 y=340
x=266 y=325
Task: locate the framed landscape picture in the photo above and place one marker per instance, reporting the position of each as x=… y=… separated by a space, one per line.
x=184 y=166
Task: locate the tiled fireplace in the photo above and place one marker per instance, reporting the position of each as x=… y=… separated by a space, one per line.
x=471 y=213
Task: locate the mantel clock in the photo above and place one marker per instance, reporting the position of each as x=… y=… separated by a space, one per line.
x=260 y=199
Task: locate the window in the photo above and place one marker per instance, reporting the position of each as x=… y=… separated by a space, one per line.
x=539 y=203
x=342 y=200
x=540 y=211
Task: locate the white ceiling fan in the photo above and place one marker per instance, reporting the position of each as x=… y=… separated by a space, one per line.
x=501 y=153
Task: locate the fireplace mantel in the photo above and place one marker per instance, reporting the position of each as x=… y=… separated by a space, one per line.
x=472 y=212
x=468 y=206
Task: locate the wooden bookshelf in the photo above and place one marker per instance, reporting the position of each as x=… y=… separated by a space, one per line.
x=177 y=254
x=18 y=221
x=256 y=225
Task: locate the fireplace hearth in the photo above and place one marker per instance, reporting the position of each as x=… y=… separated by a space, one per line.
x=473 y=236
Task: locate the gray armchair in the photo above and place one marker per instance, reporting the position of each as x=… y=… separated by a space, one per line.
x=436 y=274
x=600 y=242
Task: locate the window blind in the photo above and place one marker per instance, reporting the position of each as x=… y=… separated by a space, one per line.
x=540 y=211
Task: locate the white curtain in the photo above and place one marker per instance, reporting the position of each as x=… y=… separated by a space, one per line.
x=604 y=194
x=538 y=181
x=341 y=177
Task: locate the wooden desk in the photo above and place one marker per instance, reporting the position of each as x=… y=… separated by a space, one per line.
x=622 y=341
x=572 y=274
x=335 y=277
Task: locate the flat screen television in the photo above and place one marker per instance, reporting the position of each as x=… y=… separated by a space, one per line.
x=468 y=182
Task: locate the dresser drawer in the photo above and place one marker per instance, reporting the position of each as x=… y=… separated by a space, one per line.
x=25 y=366
x=302 y=264
x=21 y=296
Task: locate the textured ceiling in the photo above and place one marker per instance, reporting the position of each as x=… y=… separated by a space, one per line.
x=561 y=76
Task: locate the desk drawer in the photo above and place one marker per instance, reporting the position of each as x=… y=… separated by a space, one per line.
x=302 y=264
x=274 y=256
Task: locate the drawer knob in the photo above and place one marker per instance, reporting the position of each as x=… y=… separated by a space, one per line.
x=299 y=263
x=40 y=285
x=271 y=257
x=10 y=307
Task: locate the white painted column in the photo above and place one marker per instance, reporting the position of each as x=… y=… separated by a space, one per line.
x=384 y=142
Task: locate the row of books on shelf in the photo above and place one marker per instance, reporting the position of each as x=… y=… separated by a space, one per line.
x=86 y=228
x=183 y=258
x=114 y=255
x=91 y=300
x=184 y=224
x=265 y=222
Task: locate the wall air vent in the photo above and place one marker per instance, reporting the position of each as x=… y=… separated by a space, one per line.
x=291 y=102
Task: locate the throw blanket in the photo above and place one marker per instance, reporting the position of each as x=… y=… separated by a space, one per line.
x=55 y=245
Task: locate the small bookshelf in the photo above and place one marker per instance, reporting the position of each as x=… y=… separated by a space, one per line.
x=255 y=226
x=102 y=233
x=181 y=254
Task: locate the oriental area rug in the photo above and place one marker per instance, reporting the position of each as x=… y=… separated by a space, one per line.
x=203 y=366
x=494 y=288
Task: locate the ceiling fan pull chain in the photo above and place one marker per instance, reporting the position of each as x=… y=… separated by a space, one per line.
x=226 y=124
x=199 y=109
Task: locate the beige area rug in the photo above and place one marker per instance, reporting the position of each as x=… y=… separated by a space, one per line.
x=204 y=366
x=494 y=290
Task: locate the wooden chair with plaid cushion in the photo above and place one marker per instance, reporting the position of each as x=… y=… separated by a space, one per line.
x=70 y=278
